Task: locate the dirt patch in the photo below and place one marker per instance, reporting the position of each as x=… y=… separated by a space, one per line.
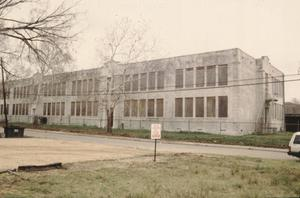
x=37 y=151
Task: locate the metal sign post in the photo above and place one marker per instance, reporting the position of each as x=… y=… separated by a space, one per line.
x=155 y=135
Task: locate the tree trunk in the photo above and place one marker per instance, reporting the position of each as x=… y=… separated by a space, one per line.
x=110 y=119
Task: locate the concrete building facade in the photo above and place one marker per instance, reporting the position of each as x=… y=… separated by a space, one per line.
x=225 y=92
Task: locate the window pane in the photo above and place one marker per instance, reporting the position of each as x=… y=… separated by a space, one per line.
x=72 y=108
x=223 y=106
x=189 y=107
x=53 y=109
x=222 y=74
x=83 y=108
x=127 y=83
x=78 y=87
x=73 y=87
x=126 y=108
x=95 y=109
x=142 y=108
x=96 y=86
x=200 y=76
x=49 y=109
x=211 y=106
x=54 y=89
x=90 y=86
x=189 y=77
x=143 y=82
x=84 y=87
x=159 y=107
x=178 y=107
x=160 y=79
x=297 y=139
x=78 y=109
x=199 y=107
x=211 y=76
x=179 y=78
x=89 y=108
x=62 y=110
x=134 y=108
x=151 y=82
x=63 y=92
x=59 y=89
x=57 y=108
x=150 y=107
x=135 y=82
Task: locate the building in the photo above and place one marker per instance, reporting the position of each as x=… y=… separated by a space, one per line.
x=225 y=92
x=292 y=116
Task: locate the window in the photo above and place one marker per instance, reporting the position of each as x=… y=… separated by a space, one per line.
x=126 y=108
x=49 y=109
x=142 y=108
x=151 y=82
x=297 y=139
x=117 y=82
x=78 y=109
x=211 y=107
x=84 y=87
x=17 y=109
x=73 y=88
x=89 y=108
x=179 y=78
x=49 y=89
x=63 y=92
x=134 y=108
x=143 y=82
x=189 y=77
x=222 y=74
x=211 y=76
x=200 y=75
x=189 y=107
x=57 y=109
x=159 y=107
x=199 y=107
x=127 y=83
x=62 y=109
x=27 y=109
x=15 y=91
x=90 y=86
x=96 y=86
x=53 y=109
x=178 y=107
x=223 y=106
x=78 y=87
x=95 y=109
x=72 y=108
x=54 y=89
x=150 y=107
x=58 y=89
x=160 y=79
x=14 y=109
x=83 y=108
x=135 y=82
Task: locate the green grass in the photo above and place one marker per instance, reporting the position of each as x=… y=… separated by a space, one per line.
x=274 y=140
x=176 y=175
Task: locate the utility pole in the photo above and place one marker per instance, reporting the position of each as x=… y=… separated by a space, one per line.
x=4 y=93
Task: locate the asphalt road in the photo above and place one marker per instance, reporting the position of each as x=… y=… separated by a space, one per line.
x=166 y=146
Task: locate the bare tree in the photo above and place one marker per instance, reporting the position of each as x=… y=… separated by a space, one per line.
x=42 y=27
x=123 y=43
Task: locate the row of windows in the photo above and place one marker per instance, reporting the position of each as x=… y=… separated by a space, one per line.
x=54 y=109
x=82 y=87
x=195 y=107
x=84 y=108
x=21 y=92
x=145 y=81
x=54 y=89
x=143 y=108
x=201 y=76
x=20 y=109
x=2 y=109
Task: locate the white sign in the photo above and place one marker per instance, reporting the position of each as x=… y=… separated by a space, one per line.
x=155 y=131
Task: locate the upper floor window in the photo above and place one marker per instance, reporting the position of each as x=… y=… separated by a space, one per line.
x=160 y=79
x=189 y=77
x=200 y=75
x=222 y=74
x=179 y=78
x=211 y=76
x=151 y=80
x=143 y=82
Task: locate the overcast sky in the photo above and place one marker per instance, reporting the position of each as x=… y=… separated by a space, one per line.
x=259 y=27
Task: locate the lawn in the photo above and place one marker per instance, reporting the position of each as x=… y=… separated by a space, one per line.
x=274 y=140
x=174 y=175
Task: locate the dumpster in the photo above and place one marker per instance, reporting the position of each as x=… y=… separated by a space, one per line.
x=43 y=120
x=13 y=131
